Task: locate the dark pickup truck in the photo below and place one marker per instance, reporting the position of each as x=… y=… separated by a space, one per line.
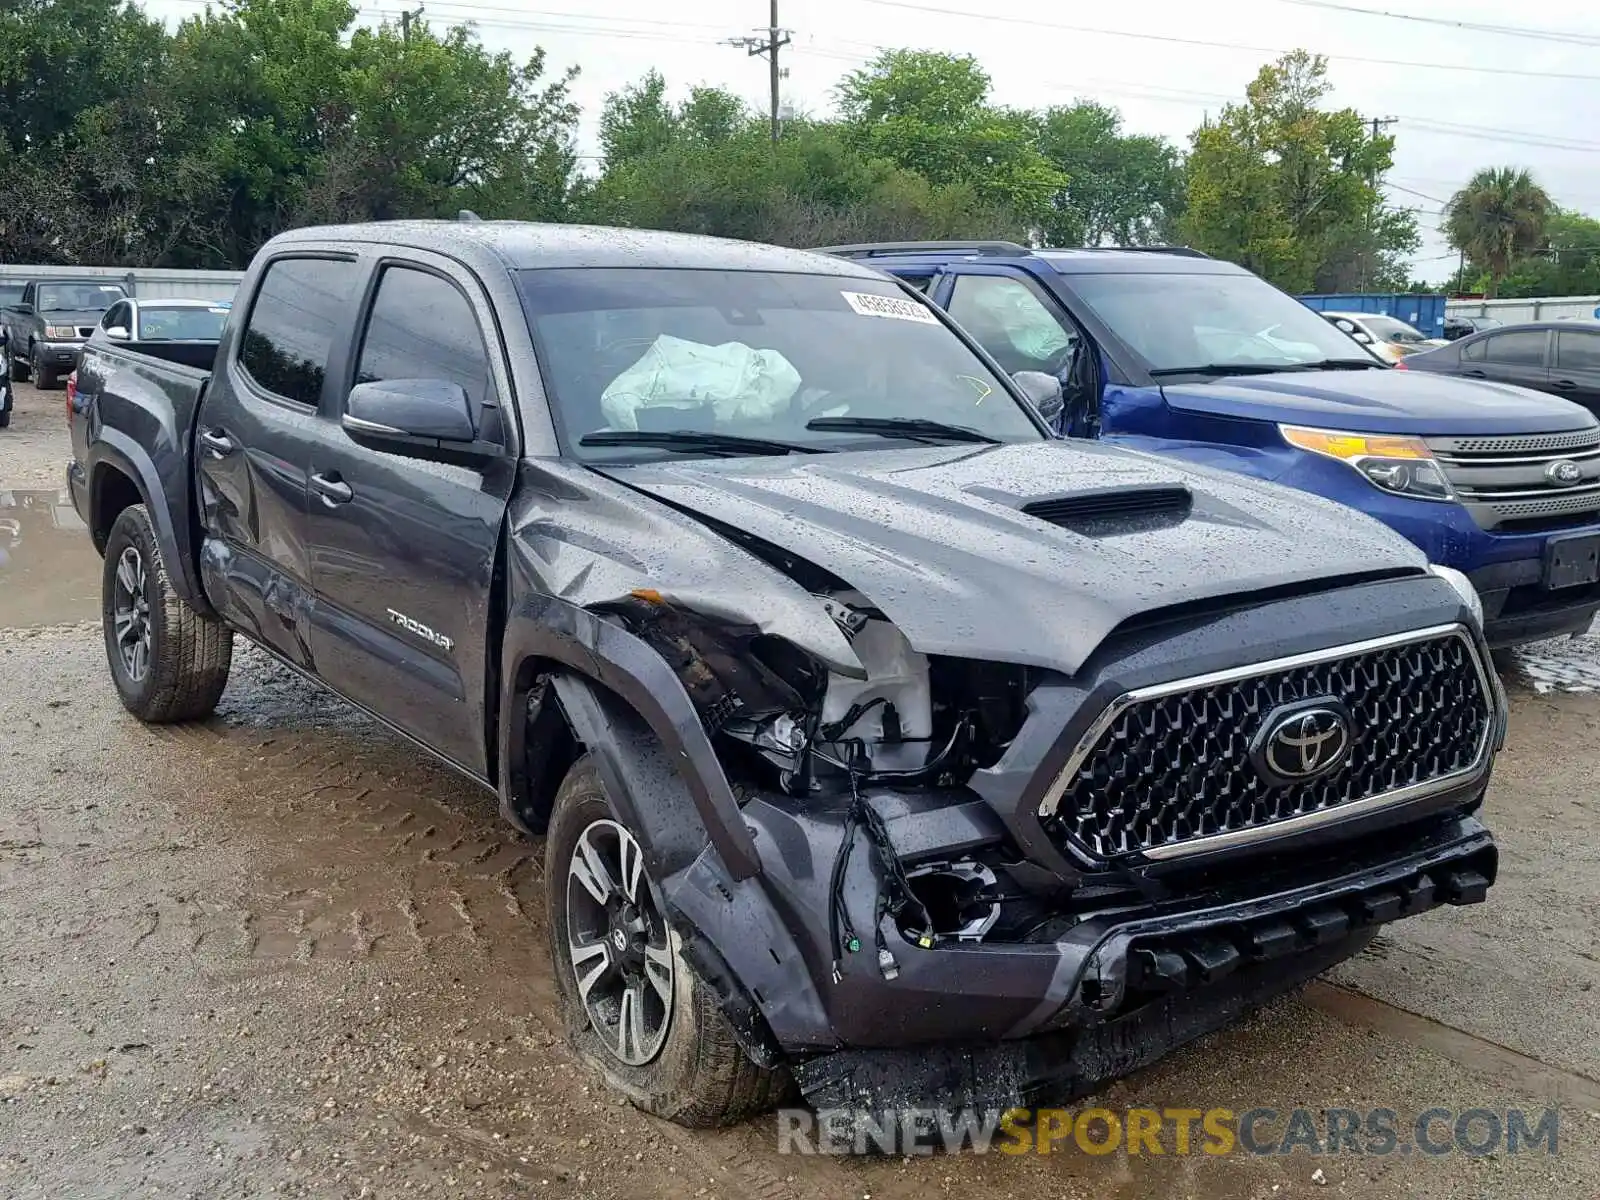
x=880 y=742
x=47 y=325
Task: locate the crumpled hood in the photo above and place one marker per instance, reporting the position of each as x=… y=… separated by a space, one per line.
x=1410 y=401
x=936 y=538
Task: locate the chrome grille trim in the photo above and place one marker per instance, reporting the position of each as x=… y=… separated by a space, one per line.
x=1050 y=804
x=1499 y=479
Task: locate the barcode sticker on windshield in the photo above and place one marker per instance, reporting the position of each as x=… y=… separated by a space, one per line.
x=893 y=307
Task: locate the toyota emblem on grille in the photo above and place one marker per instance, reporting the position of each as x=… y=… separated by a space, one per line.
x=1564 y=473
x=1302 y=741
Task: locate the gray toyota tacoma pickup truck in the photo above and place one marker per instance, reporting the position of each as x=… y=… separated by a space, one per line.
x=881 y=744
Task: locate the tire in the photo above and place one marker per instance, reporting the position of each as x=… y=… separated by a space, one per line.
x=5 y=419
x=43 y=377
x=184 y=665
x=698 y=1075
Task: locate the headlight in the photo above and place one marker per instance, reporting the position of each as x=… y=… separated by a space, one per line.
x=1463 y=587
x=60 y=331
x=1403 y=465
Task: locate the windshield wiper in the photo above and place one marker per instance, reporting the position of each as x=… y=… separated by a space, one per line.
x=1255 y=368
x=906 y=427
x=688 y=439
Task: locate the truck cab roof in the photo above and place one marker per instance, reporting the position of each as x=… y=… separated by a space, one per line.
x=523 y=245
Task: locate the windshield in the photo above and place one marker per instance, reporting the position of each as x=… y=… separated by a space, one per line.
x=1390 y=329
x=751 y=354
x=1176 y=321
x=78 y=297
x=181 y=324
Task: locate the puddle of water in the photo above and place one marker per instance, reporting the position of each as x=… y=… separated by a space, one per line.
x=1562 y=665
x=49 y=572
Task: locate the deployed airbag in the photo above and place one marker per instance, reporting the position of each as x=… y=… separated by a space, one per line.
x=734 y=381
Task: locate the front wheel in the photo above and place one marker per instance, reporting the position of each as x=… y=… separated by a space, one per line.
x=43 y=376
x=633 y=1006
x=168 y=662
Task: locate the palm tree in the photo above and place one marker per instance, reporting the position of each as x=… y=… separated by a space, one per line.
x=1498 y=218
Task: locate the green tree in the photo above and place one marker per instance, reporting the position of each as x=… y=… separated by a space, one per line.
x=637 y=120
x=437 y=123
x=1288 y=189
x=1121 y=189
x=1567 y=265
x=1499 y=217
x=929 y=113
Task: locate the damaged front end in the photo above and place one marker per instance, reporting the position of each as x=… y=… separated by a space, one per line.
x=925 y=880
x=931 y=951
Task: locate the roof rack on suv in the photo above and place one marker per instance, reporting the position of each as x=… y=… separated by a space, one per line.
x=1180 y=251
x=870 y=249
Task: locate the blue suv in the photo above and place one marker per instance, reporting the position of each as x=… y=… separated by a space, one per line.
x=1171 y=351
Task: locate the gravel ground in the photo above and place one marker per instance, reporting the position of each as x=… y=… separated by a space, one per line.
x=282 y=953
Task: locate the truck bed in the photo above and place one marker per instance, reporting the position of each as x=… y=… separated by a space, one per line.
x=198 y=355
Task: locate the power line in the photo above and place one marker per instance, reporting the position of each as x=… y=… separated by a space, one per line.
x=1181 y=41
x=1570 y=37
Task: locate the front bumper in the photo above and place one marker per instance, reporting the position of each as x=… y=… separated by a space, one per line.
x=1126 y=988
x=58 y=354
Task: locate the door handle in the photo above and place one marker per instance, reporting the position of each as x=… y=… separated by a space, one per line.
x=1475 y=374
x=1565 y=385
x=216 y=441
x=332 y=489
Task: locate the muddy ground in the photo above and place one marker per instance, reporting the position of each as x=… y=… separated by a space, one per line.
x=282 y=953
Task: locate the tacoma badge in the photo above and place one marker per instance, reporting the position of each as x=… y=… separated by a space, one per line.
x=421 y=630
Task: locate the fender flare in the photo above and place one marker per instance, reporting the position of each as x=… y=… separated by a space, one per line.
x=613 y=686
x=115 y=450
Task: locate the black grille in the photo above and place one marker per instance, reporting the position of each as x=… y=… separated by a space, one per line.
x=1176 y=767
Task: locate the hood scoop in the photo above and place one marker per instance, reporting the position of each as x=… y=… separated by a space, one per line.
x=1123 y=510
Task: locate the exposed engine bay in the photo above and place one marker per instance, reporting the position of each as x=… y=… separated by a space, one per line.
x=782 y=722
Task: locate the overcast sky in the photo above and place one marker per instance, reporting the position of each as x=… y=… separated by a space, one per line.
x=1508 y=106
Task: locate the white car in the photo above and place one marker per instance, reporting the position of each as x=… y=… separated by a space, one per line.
x=1390 y=338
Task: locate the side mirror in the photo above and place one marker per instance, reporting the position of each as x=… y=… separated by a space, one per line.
x=118 y=333
x=1045 y=392
x=419 y=418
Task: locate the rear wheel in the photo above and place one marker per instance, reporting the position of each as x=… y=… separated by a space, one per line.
x=168 y=662
x=633 y=1006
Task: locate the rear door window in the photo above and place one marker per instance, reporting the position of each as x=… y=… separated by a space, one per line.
x=1578 y=351
x=297 y=308
x=1518 y=347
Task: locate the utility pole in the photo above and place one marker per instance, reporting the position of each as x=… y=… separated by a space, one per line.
x=1378 y=125
x=768 y=46
x=406 y=17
